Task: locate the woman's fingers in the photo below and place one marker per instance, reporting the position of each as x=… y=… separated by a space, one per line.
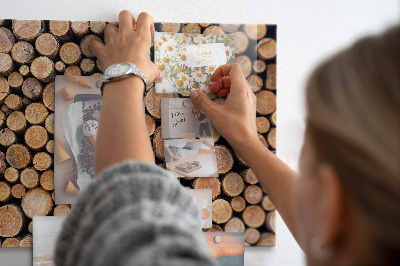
x=224 y=82
x=223 y=92
x=126 y=22
x=97 y=48
x=145 y=23
x=218 y=74
x=157 y=75
x=110 y=32
x=232 y=70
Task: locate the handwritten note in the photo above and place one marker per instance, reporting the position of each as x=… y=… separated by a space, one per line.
x=177 y=118
x=205 y=55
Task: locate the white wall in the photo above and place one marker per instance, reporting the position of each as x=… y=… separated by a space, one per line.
x=307 y=31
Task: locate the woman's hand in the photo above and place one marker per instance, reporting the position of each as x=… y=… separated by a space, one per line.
x=235 y=119
x=130 y=42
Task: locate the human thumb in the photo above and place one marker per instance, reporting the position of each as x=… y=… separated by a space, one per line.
x=201 y=100
x=158 y=75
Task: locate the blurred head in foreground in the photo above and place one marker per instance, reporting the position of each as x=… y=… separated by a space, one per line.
x=347 y=199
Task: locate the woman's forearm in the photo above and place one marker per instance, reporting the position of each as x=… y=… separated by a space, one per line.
x=207 y=143
x=167 y=149
x=235 y=120
x=275 y=177
x=122 y=133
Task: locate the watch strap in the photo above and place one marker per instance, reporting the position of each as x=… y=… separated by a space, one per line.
x=135 y=71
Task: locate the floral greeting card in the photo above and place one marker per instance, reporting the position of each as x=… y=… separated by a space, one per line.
x=188 y=60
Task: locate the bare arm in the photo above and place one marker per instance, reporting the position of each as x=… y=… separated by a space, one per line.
x=122 y=133
x=207 y=143
x=275 y=177
x=190 y=111
x=235 y=119
x=204 y=120
x=175 y=157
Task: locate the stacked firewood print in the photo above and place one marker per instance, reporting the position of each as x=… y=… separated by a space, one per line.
x=32 y=53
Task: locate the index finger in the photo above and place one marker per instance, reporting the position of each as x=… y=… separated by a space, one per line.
x=97 y=47
x=232 y=70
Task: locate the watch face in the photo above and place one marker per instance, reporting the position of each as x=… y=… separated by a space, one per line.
x=118 y=69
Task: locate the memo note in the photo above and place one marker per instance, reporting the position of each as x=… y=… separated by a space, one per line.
x=180 y=119
x=205 y=55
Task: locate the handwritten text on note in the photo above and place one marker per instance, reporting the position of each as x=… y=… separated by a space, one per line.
x=210 y=54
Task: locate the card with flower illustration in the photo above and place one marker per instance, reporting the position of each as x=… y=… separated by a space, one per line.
x=188 y=60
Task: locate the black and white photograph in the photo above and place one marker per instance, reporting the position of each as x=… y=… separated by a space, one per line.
x=180 y=118
x=191 y=157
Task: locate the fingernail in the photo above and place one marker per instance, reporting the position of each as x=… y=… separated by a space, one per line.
x=194 y=94
x=159 y=78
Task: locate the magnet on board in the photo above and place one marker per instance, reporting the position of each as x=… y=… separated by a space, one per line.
x=217 y=239
x=187 y=102
x=196 y=39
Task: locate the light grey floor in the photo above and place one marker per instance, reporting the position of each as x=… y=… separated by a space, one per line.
x=307 y=31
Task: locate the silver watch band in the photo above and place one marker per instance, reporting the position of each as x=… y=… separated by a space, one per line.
x=134 y=71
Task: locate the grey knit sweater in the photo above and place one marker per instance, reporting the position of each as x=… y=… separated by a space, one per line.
x=134 y=213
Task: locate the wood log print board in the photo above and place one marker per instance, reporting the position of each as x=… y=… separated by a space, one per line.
x=30 y=57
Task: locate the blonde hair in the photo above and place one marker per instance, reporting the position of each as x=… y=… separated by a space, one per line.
x=353 y=118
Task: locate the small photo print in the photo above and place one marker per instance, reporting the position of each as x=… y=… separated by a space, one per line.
x=47 y=229
x=188 y=60
x=204 y=199
x=191 y=157
x=180 y=118
x=226 y=247
x=77 y=112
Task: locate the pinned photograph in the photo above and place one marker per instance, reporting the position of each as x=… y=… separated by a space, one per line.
x=204 y=199
x=188 y=60
x=180 y=118
x=77 y=112
x=191 y=157
x=47 y=229
x=226 y=247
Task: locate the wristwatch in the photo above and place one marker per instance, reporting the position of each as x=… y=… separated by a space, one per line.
x=120 y=71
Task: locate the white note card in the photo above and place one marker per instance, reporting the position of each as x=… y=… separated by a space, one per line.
x=210 y=54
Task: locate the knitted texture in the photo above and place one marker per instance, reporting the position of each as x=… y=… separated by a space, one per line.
x=133 y=213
